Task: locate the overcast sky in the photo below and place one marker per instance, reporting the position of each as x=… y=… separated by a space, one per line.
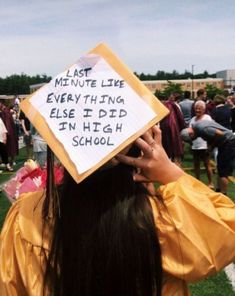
x=47 y=36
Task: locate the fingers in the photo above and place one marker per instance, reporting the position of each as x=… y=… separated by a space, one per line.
x=146 y=148
x=153 y=136
x=148 y=137
x=157 y=134
x=132 y=161
x=147 y=144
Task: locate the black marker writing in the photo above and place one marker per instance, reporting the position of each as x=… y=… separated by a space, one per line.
x=65 y=113
x=112 y=83
x=112 y=113
x=67 y=126
x=90 y=141
x=98 y=127
x=78 y=73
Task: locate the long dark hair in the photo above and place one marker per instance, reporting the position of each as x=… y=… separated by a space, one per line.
x=104 y=239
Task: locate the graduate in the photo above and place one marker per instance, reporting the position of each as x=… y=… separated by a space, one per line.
x=103 y=229
x=109 y=236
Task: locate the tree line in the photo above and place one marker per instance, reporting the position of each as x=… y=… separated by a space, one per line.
x=19 y=84
x=162 y=75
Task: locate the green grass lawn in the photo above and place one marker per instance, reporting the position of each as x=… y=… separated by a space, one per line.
x=214 y=286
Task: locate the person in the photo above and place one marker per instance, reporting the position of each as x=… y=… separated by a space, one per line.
x=218 y=136
x=186 y=107
x=26 y=127
x=221 y=113
x=108 y=236
x=17 y=125
x=201 y=96
x=12 y=138
x=171 y=126
x=199 y=146
x=17 y=101
x=231 y=104
x=39 y=148
x=3 y=148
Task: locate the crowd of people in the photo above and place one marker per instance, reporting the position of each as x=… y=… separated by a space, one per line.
x=184 y=112
x=186 y=115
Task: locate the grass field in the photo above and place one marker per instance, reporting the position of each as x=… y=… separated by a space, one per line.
x=218 y=285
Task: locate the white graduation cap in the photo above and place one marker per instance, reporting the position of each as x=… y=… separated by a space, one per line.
x=92 y=110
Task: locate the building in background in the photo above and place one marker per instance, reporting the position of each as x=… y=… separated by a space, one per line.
x=34 y=87
x=189 y=84
x=228 y=77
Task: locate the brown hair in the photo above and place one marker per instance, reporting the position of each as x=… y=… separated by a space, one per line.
x=200 y=92
x=219 y=99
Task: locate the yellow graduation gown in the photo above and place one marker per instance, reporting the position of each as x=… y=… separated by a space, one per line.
x=195 y=225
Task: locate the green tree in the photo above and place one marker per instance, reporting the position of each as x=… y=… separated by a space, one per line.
x=213 y=90
x=170 y=88
x=162 y=75
x=19 y=84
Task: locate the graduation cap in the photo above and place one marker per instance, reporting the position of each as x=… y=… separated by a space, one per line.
x=92 y=110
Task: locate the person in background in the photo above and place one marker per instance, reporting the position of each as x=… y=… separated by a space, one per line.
x=26 y=127
x=17 y=102
x=199 y=146
x=218 y=136
x=3 y=148
x=201 y=96
x=109 y=236
x=231 y=104
x=221 y=113
x=16 y=127
x=12 y=138
x=171 y=126
x=39 y=148
x=186 y=107
x=15 y=115
x=210 y=105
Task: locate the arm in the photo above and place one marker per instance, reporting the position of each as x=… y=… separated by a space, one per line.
x=22 y=250
x=11 y=255
x=218 y=133
x=195 y=225
x=196 y=228
x=24 y=128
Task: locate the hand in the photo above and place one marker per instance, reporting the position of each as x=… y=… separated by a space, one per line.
x=154 y=164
